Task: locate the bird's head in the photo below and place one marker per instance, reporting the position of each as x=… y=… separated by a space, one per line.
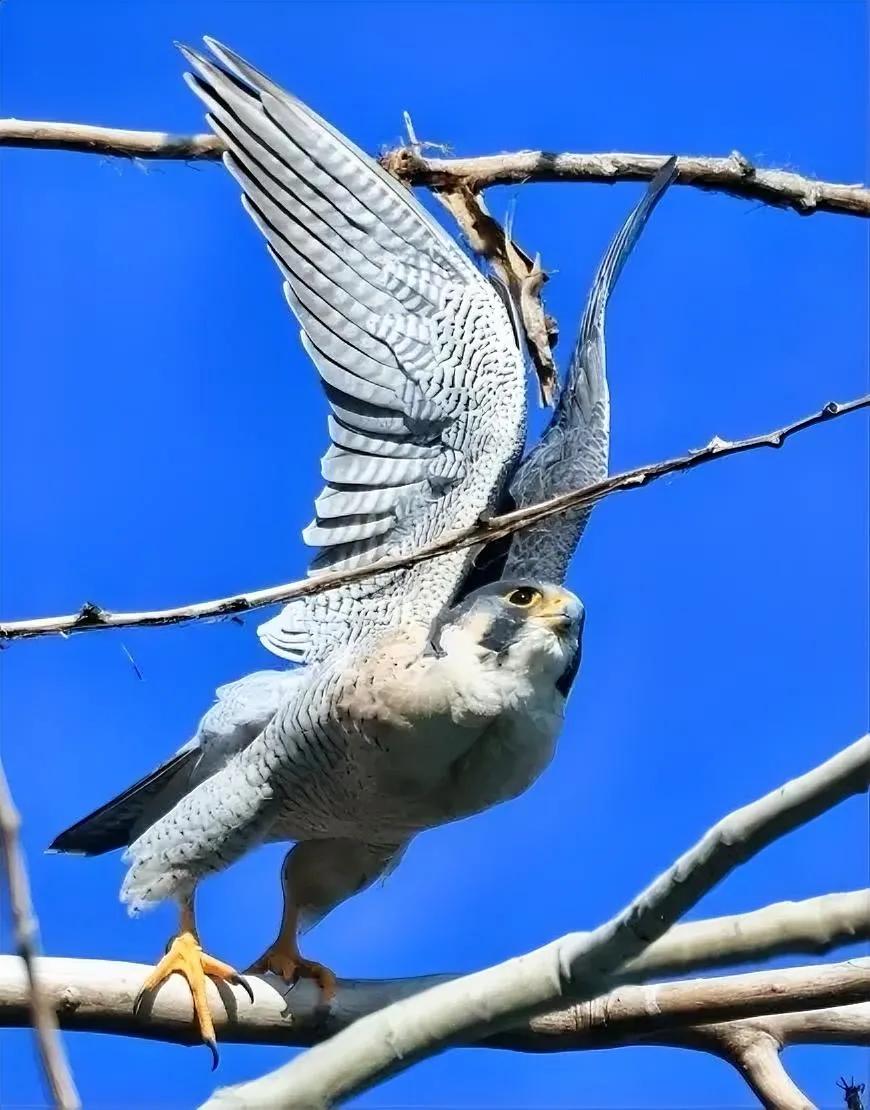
x=535 y=626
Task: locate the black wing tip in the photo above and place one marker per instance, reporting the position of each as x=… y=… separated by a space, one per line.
x=68 y=843
x=86 y=838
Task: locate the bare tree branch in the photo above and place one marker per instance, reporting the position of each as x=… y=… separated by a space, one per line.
x=117 y=142
x=38 y=1009
x=755 y=1054
x=734 y=175
x=843 y=1025
x=577 y=966
x=91 y=617
x=522 y=277
x=96 y=996
x=664 y=1012
x=753 y=1045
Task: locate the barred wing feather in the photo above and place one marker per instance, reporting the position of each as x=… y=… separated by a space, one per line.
x=413 y=345
x=574 y=450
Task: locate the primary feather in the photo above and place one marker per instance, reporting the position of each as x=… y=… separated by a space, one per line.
x=240 y=713
x=573 y=452
x=413 y=345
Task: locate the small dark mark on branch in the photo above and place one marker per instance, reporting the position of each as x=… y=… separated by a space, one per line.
x=90 y=615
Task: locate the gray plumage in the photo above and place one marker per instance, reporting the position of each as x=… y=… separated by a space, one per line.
x=241 y=712
x=413 y=708
x=376 y=748
x=413 y=345
x=574 y=450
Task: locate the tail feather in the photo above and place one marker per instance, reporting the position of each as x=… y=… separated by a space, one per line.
x=113 y=824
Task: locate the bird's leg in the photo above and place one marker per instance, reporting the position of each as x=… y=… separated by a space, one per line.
x=282 y=957
x=184 y=954
x=317 y=876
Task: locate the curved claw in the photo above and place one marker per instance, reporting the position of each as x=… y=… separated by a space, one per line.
x=239 y=981
x=184 y=955
x=215 y=1055
x=138 y=1000
x=289 y=966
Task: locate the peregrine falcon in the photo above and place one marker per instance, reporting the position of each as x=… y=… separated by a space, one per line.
x=424 y=694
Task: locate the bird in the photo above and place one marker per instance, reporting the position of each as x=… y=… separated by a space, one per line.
x=418 y=695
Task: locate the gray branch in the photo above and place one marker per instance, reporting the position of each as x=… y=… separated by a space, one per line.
x=91 y=618
x=576 y=967
x=753 y=1046
x=97 y=995
x=734 y=175
x=755 y=1053
x=35 y=1003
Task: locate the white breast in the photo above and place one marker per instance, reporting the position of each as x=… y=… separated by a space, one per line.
x=508 y=756
x=452 y=734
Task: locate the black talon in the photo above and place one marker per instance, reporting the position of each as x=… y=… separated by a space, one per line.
x=238 y=981
x=215 y=1058
x=138 y=1000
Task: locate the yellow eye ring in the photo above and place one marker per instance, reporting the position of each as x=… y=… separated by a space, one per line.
x=524 y=597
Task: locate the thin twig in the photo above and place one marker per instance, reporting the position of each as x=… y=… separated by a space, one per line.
x=55 y=1067
x=734 y=175
x=91 y=617
x=576 y=966
x=118 y=142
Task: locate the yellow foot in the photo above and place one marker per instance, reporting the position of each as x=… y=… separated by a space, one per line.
x=185 y=955
x=291 y=967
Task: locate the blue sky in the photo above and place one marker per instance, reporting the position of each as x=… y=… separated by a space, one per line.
x=161 y=434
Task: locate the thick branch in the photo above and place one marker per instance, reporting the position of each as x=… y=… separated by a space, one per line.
x=91 y=617
x=755 y=1054
x=753 y=1046
x=734 y=175
x=35 y=1005
x=576 y=966
x=96 y=996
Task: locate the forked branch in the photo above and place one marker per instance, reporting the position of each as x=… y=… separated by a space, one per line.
x=753 y=1046
x=96 y=995
x=576 y=967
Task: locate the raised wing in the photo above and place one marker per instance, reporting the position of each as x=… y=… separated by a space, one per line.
x=413 y=345
x=574 y=450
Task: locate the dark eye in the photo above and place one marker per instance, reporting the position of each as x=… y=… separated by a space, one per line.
x=524 y=596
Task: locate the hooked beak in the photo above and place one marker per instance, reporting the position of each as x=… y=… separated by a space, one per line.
x=563 y=612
